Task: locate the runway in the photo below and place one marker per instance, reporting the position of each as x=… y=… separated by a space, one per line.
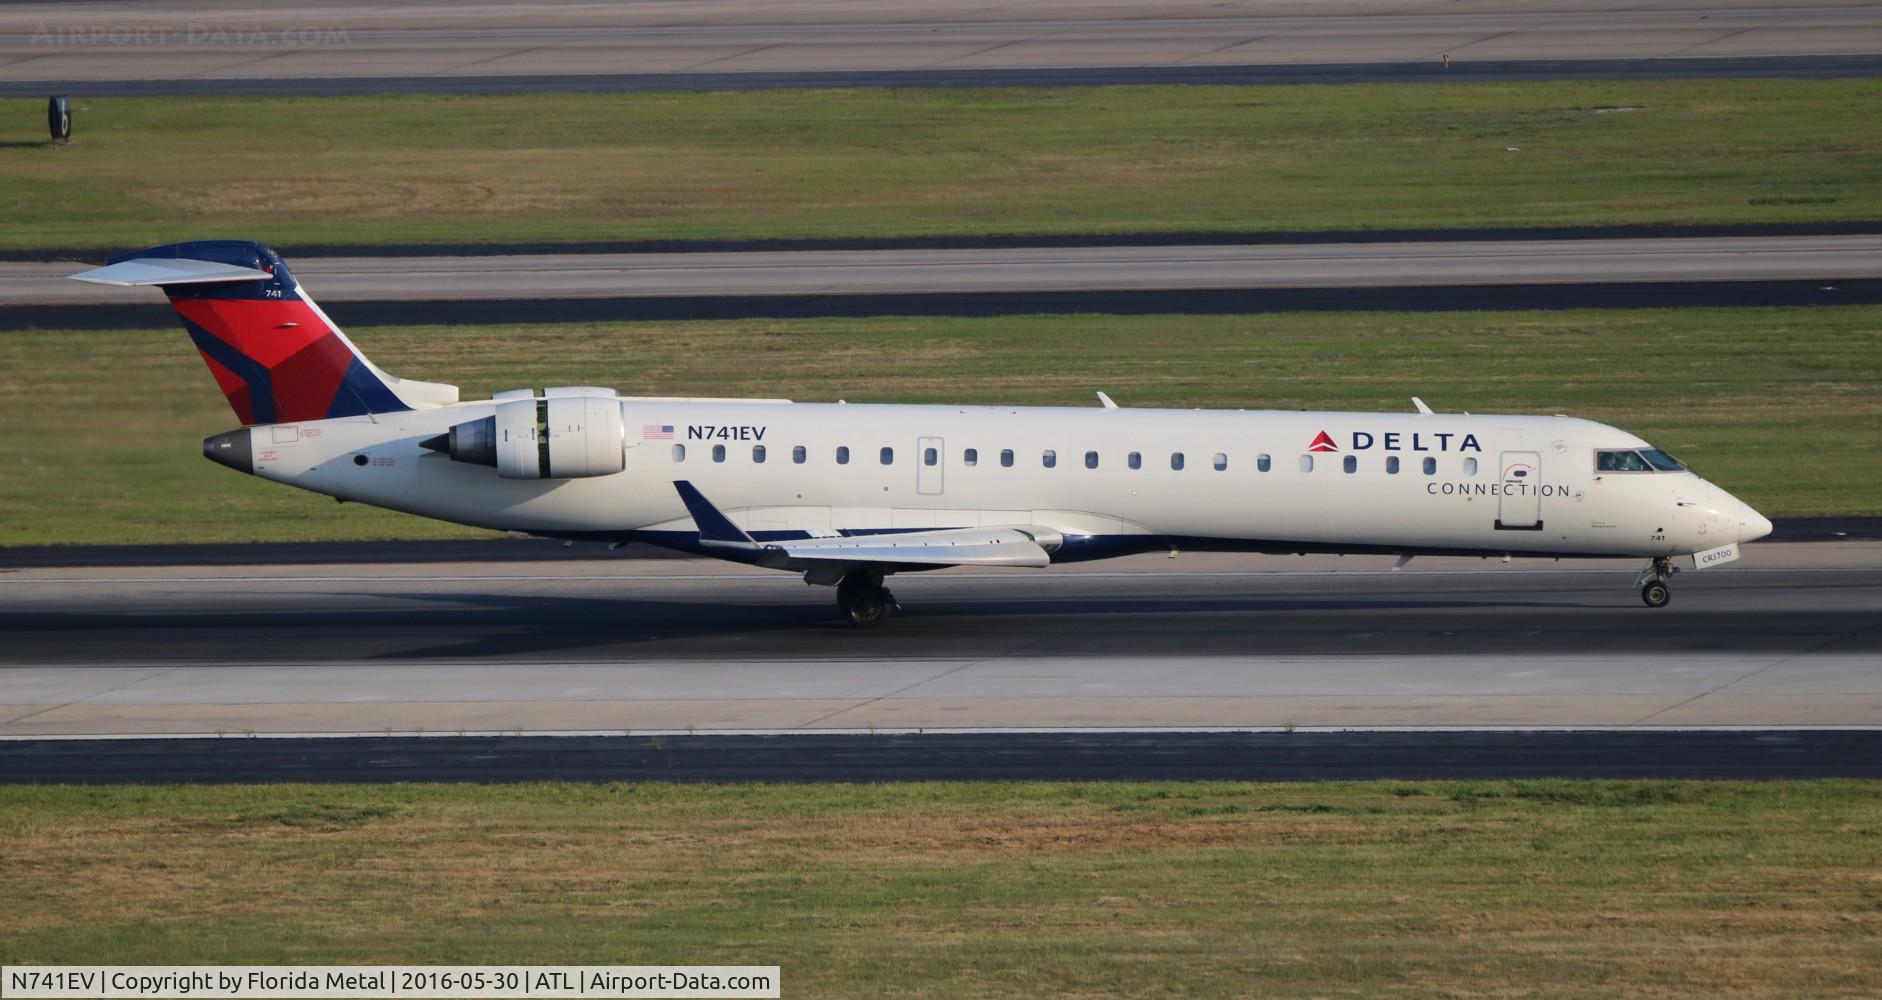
x=992 y=281
x=177 y=47
x=856 y=757
x=1037 y=269
x=1790 y=637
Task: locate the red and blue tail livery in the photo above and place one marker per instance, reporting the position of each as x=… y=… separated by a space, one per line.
x=276 y=355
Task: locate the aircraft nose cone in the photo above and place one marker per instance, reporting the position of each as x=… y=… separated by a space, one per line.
x=1752 y=525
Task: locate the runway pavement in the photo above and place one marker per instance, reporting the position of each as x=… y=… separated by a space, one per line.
x=1037 y=269
x=1789 y=637
x=991 y=281
x=272 y=46
x=1003 y=756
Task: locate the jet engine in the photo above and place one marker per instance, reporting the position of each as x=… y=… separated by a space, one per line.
x=571 y=432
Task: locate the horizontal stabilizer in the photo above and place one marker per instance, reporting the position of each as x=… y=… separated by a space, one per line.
x=159 y=271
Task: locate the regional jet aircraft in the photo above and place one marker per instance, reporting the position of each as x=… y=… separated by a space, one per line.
x=847 y=495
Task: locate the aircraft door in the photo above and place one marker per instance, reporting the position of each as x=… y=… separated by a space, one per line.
x=1519 y=505
x=930 y=459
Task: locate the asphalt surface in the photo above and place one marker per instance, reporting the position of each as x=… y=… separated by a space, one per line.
x=1166 y=756
x=984 y=241
x=1839 y=269
x=1791 y=636
x=1843 y=528
x=1492 y=71
x=170 y=47
x=1039 y=269
x=474 y=312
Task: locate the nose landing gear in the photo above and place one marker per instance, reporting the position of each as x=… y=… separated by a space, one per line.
x=865 y=602
x=1655 y=582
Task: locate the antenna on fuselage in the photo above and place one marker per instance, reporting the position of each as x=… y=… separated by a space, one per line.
x=1422 y=408
x=1106 y=400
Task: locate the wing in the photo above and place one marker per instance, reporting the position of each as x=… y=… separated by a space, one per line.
x=947 y=547
x=954 y=547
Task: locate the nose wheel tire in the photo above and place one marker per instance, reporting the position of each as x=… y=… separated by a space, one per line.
x=1656 y=594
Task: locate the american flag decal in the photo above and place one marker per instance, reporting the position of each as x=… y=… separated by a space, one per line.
x=657 y=432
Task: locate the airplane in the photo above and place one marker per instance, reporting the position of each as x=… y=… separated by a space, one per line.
x=849 y=494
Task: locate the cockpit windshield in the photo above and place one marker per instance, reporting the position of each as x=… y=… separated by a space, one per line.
x=1636 y=460
x=1661 y=460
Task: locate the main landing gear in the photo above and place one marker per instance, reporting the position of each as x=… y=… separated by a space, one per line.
x=864 y=600
x=1655 y=582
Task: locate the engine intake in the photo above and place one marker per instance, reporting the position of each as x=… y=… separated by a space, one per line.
x=572 y=433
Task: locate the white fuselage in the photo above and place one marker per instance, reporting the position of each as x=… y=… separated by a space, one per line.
x=1249 y=479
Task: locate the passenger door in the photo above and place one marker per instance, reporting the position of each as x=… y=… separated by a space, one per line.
x=1519 y=506
x=930 y=461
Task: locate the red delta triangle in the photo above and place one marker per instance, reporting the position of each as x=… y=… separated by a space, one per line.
x=1322 y=442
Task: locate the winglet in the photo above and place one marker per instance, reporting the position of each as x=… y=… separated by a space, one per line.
x=1106 y=400
x=715 y=529
x=1422 y=408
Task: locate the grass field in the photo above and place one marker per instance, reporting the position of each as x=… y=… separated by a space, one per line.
x=1554 y=889
x=1781 y=406
x=477 y=169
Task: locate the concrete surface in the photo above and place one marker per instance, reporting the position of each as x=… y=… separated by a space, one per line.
x=1034 y=269
x=1791 y=636
x=298 y=45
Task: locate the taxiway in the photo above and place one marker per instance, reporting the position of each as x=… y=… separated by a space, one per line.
x=275 y=47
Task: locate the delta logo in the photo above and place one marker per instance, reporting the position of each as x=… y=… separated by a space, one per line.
x=1399 y=441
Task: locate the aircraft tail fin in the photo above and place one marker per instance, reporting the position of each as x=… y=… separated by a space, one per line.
x=275 y=354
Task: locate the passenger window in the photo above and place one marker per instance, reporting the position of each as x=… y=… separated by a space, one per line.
x=1263 y=463
x=1135 y=460
x=970 y=457
x=1176 y=460
x=1051 y=459
x=842 y=454
x=1221 y=462
x=1470 y=466
x=1350 y=463
x=798 y=454
x=931 y=456
x=758 y=454
x=1091 y=460
x=1431 y=466
x=1620 y=461
x=679 y=453
x=1391 y=465
x=1006 y=458
x=718 y=453
x=887 y=456
x=1306 y=463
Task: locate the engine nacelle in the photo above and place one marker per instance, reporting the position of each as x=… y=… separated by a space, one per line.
x=562 y=433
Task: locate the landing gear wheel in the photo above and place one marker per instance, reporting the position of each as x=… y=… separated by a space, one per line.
x=864 y=602
x=1656 y=594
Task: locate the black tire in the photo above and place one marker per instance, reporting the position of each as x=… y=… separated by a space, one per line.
x=1656 y=594
x=866 y=607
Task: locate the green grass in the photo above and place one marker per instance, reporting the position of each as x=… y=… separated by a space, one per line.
x=475 y=169
x=1781 y=406
x=1553 y=889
